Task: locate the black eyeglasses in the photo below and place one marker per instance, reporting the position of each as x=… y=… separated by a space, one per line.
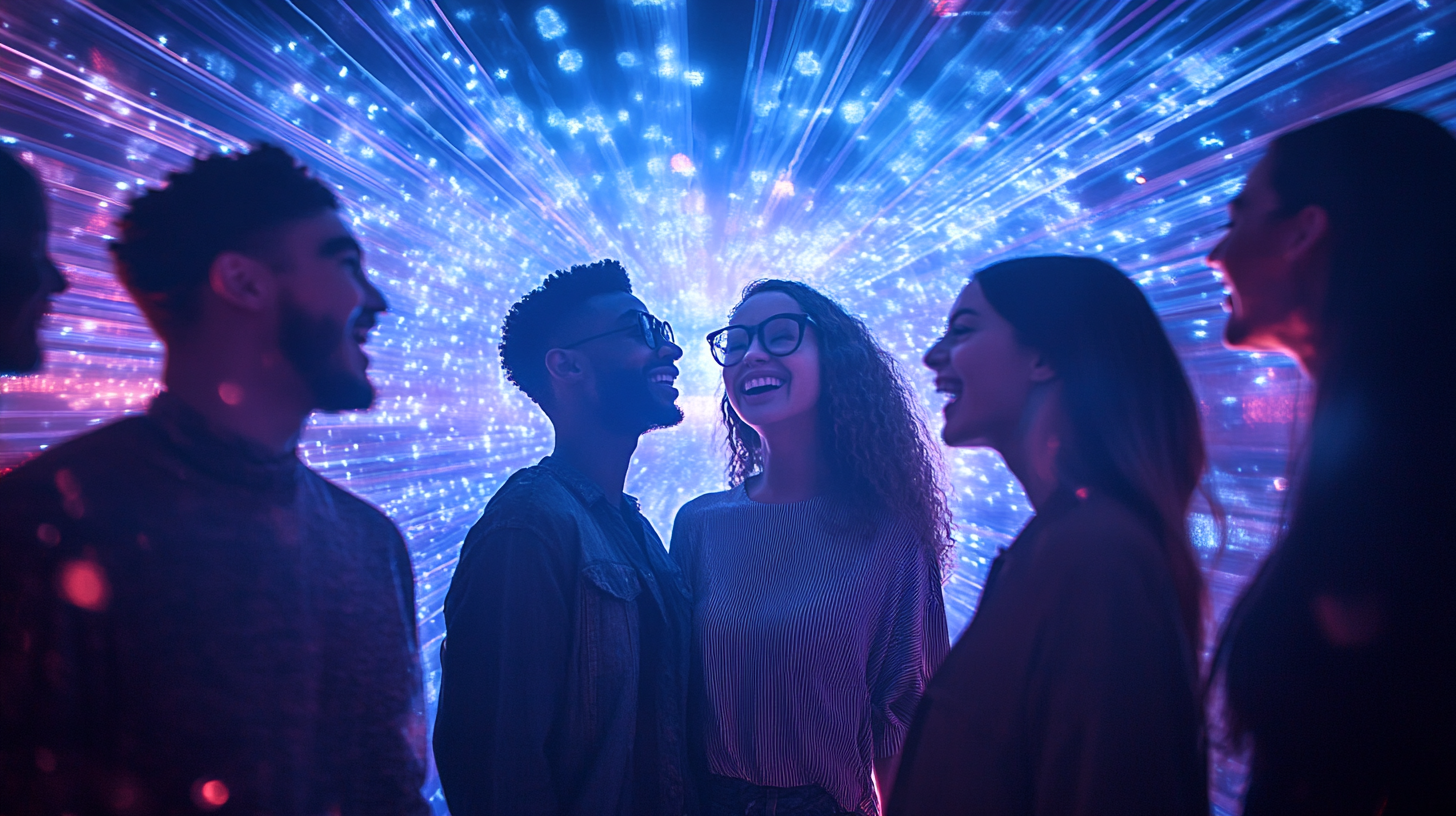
x=781 y=335
x=654 y=332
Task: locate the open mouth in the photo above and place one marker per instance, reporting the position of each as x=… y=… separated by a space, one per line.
x=951 y=388
x=666 y=378
x=760 y=385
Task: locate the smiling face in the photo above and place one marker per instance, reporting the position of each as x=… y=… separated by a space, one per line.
x=1266 y=258
x=986 y=373
x=629 y=385
x=765 y=389
x=326 y=308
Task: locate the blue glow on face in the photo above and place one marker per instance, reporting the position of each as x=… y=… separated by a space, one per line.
x=880 y=158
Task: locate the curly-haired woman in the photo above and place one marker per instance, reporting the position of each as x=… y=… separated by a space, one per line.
x=818 y=617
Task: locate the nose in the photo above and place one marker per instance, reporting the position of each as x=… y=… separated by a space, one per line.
x=755 y=352
x=935 y=358
x=670 y=350
x=374 y=301
x=1215 y=255
x=53 y=281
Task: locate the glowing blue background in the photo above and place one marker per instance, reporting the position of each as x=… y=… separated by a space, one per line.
x=880 y=150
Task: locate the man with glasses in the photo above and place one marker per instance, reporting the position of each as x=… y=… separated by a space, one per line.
x=564 y=671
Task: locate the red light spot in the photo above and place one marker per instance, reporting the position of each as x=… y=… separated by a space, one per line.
x=232 y=393
x=1082 y=493
x=1140 y=178
x=210 y=794
x=48 y=534
x=681 y=164
x=948 y=8
x=83 y=583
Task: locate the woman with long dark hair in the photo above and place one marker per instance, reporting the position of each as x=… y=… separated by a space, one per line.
x=1339 y=662
x=1075 y=689
x=818 y=616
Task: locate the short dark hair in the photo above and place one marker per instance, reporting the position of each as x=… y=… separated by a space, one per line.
x=529 y=328
x=171 y=235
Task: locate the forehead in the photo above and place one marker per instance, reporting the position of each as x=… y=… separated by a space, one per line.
x=1258 y=187
x=972 y=297
x=764 y=305
x=606 y=309
x=310 y=233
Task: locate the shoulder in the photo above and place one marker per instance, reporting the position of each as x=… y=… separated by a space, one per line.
x=357 y=510
x=704 y=505
x=1099 y=532
x=111 y=445
x=115 y=451
x=532 y=501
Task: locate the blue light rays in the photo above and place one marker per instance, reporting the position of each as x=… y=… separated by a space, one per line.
x=880 y=150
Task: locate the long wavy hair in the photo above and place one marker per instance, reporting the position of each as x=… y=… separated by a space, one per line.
x=871 y=428
x=1133 y=429
x=1373 y=510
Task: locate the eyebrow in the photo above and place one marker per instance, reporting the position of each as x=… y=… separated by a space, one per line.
x=338 y=245
x=966 y=311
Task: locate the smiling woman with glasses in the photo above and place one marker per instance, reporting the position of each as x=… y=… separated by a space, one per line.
x=781 y=336
x=818 y=615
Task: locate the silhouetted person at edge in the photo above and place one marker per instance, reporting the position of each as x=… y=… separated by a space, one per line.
x=192 y=617
x=1075 y=689
x=28 y=277
x=1339 y=661
x=566 y=657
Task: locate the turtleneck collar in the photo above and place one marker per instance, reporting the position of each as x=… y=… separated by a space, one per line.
x=219 y=453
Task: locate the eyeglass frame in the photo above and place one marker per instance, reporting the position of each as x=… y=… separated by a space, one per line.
x=756 y=331
x=654 y=331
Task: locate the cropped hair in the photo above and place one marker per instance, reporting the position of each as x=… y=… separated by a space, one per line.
x=1131 y=416
x=530 y=326
x=223 y=203
x=880 y=455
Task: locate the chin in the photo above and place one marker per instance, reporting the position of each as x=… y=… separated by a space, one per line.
x=349 y=393
x=667 y=418
x=21 y=360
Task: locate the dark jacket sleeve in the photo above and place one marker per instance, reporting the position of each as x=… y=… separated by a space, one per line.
x=504 y=672
x=1115 y=708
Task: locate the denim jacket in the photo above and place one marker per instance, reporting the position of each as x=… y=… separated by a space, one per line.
x=543 y=665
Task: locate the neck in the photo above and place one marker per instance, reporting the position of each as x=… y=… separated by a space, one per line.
x=1031 y=451
x=249 y=401
x=601 y=455
x=1300 y=340
x=793 y=467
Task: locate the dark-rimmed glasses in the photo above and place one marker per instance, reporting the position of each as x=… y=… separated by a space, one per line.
x=654 y=332
x=781 y=336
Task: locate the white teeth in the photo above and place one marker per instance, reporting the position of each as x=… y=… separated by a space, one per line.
x=760 y=382
x=663 y=378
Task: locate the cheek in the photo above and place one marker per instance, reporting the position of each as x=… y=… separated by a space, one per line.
x=805 y=369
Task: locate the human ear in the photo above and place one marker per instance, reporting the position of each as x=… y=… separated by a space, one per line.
x=1041 y=369
x=1308 y=228
x=244 y=282
x=564 y=365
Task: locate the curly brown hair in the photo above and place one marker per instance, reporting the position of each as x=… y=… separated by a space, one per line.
x=880 y=454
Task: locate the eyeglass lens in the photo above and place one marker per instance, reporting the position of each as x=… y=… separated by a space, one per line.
x=654 y=331
x=780 y=336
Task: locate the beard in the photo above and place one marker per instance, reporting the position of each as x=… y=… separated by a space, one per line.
x=630 y=406
x=315 y=347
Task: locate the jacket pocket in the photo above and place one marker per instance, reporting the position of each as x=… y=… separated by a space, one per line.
x=610 y=648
